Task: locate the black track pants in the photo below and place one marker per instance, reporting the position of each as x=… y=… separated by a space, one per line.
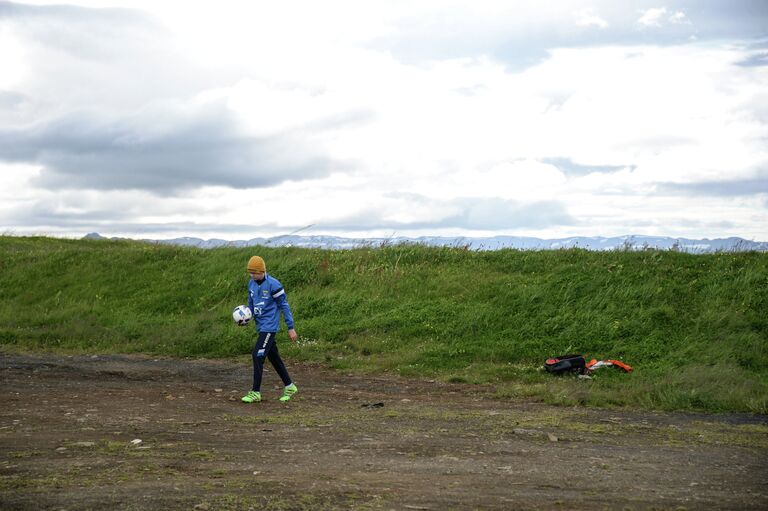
x=267 y=348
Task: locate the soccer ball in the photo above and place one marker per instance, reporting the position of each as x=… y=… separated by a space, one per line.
x=242 y=315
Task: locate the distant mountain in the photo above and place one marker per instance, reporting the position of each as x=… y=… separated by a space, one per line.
x=493 y=243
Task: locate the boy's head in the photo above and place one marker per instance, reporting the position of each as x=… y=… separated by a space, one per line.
x=256 y=267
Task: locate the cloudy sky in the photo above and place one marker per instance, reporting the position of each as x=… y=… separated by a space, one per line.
x=239 y=119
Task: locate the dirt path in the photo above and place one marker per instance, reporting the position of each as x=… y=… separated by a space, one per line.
x=345 y=442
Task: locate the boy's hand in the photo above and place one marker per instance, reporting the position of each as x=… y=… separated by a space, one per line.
x=292 y=334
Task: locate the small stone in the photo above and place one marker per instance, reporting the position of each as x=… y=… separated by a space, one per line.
x=529 y=432
x=218 y=390
x=552 y=438
x=136 y=441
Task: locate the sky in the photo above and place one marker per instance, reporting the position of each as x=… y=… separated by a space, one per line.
x=242 y=119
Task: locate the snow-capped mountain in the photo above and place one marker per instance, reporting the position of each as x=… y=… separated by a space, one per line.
x=492 y=243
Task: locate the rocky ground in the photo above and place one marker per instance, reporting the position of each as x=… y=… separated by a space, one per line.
x=132 y=432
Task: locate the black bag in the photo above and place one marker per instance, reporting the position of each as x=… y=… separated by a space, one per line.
x=566 y=364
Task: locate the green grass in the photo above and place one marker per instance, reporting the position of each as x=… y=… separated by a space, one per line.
x=694 y=327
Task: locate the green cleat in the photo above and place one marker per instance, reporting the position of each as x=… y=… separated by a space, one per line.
x=289 y=391
x=251 y=397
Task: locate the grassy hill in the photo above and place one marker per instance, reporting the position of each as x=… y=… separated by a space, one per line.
x=694 y=327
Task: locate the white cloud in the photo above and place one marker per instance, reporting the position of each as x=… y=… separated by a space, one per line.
x=652 y=17
x=12 y=58
x=265 y=122
x=588 y=18
x=679 y=17
x=658 y=16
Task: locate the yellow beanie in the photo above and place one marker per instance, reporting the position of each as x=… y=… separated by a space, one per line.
x=256 y=265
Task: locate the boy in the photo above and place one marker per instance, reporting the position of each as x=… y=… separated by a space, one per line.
x=266 y=299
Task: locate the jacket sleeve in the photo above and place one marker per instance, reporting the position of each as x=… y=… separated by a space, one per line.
x=282 y=302
x=250 y=298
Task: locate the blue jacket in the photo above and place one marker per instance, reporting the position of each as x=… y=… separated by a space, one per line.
x=266 y=300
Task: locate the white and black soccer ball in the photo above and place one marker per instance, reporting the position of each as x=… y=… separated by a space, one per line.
x=242 y=315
